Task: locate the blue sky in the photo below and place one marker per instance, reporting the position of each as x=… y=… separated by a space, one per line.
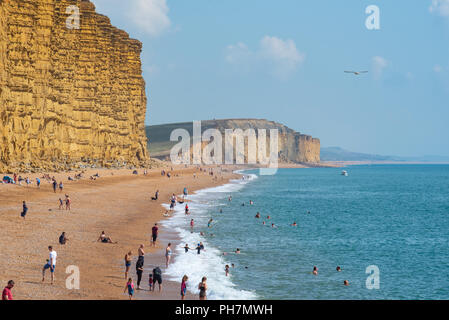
x=284 y=61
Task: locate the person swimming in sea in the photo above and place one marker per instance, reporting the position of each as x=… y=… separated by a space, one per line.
x=315 y=270
x=346 y=283
x=294 y=224
x=209 y=224
x=227 y=270
x=338 y=269
x=257 y=215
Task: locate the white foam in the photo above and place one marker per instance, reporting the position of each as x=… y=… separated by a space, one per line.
x=210 y=262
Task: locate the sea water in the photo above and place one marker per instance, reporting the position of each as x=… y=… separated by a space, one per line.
x=393 y=217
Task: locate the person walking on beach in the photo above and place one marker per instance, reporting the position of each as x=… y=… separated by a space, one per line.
x=156 y=196
x=7 y=294
x=202 y=286
x=130 y=287
x=67 y=202
x=168 y=254
x=157 y=277
x=55 y=185
x=24 y=210
x=154 y=233
x=51 y=264
x=61 y=204
x=61 y=186
x=139 y=271
x=128 y=259
x=184 y=286
x=38 y=183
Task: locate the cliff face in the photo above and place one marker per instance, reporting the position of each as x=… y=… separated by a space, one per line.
x=68 y=95
x=294 y=147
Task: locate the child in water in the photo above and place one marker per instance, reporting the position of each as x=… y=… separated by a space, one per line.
x=130 y=287
x=150 y=281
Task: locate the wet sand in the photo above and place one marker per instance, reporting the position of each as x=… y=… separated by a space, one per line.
x=118 y=203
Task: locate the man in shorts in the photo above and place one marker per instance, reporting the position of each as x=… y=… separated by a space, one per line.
x=154 y=232
x=157 y=277
x=51 y=264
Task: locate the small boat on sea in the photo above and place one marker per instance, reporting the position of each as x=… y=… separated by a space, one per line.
x=344 y=173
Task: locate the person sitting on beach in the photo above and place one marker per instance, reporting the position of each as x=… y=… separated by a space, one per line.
x=156 y=195
x=63 y=238
x=102 y=238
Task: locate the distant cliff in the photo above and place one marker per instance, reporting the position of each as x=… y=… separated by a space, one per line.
x=294 y=147
x=68 y=96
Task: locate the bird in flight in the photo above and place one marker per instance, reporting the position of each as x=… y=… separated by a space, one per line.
x=356 y=72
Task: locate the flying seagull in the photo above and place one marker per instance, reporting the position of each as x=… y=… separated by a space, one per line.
x=356 y=72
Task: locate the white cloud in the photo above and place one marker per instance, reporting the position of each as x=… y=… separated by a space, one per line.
x=280 y=56
x=237 y=52
x=440 y=7
x=437 y=68
x=379 y=64
x=150 y=15
x=283 y=53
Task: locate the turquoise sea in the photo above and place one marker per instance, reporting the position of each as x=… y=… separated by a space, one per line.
x=395 y=217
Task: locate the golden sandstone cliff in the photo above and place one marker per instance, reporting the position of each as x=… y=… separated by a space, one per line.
x=68 y=96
